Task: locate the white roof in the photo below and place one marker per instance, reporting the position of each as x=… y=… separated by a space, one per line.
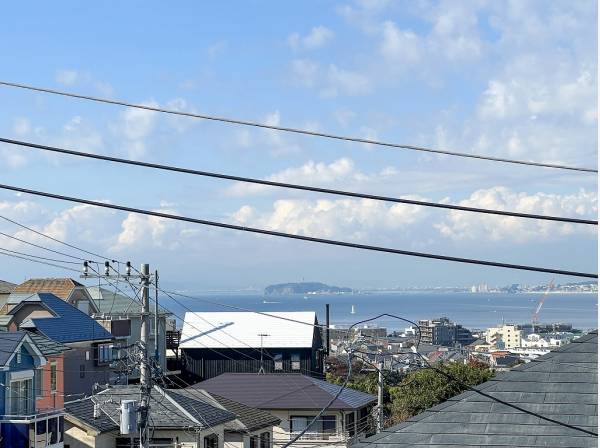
x=242 y=329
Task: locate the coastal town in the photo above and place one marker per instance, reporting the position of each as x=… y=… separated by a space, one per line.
x=227 y=378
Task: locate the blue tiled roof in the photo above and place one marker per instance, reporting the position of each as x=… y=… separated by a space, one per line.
x=8 y=344
x=68 y=324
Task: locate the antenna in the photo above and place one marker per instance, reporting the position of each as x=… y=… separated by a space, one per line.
x=261 y=371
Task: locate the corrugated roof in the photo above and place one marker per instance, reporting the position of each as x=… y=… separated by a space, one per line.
x=562 y=385
x=241 y=329
x=68 y=325
x=283 y=391
x=60 y=287
x=115 y=304
x=168 y=409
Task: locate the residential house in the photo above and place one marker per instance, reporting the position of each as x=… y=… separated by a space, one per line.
x=547 y=340
x=295 y=400
x=67 y=289
x=246 y=342
x=121 y=315
x=179 y=418
x=561 y=385
x=49 y=379
x=88 y=361
x=22 y=423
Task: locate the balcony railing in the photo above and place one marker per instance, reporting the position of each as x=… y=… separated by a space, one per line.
x=31 y=417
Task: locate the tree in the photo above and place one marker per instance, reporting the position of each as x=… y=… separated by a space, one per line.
x=425 y=388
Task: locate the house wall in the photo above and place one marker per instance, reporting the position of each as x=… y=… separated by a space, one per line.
x=78 y=437
x=45 y=398
x=209 y=363
x=239 y=440
x=281 y=433
x=73 y=359
x=135 y=333
x=30 y=312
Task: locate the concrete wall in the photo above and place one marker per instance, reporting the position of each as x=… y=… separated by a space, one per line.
x=281 y=433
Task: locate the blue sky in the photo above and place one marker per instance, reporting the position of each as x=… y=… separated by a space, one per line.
x=509 y=79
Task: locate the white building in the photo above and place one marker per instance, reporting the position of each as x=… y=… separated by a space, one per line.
x=549 y=340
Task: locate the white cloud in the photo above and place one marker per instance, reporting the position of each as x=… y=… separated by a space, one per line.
x=400 y=46
x=344 y=218
x=304 y=72
x=136 y=126
x=310 y=173
x=465 y=226
x=68 y=77
x=318 y=37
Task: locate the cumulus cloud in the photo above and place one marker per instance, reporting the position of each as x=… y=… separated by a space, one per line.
x=67 y=77
x=311 y=173
x=316 y=38
x=463 y=226
x=343 y=218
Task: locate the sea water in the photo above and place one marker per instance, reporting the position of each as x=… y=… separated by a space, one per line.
x=472 y=310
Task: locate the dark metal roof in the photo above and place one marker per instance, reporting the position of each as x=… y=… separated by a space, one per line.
x=562 y=385
x=283 y=391
x=168 y=409
x=68 y=323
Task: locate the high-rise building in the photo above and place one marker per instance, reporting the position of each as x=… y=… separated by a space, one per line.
x=442 y=331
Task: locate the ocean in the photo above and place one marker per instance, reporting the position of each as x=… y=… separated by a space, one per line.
x=472 y=310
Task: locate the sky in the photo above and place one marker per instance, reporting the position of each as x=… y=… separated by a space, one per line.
x=514 y=79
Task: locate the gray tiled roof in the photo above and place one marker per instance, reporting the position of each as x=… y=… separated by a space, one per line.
x=168 y=409
x=562 y=385
x=283 y=391
x=47 y=346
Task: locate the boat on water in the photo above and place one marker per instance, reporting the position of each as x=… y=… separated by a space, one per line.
x=267 y=301
x=353 y=310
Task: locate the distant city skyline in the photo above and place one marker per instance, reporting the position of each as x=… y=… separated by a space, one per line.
x=506 y=79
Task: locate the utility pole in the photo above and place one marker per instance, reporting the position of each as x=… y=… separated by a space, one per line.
x=380 y=397
x=262 y=367
x=156 y=320
x=145 y=374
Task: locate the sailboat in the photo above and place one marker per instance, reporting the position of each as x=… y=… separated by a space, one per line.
x=353 y=310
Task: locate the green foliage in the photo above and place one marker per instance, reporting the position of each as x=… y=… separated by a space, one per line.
x=425 y=388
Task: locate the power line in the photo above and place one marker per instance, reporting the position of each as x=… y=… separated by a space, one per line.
x=39 y=257
x=55 y=239
x=295 y=130
x=300 y=237
x=293 y=186
x=42 y=247
x=37 y=261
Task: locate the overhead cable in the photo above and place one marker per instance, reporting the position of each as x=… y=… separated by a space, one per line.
x=236 y=121
x=294 y=186
x=298 y=237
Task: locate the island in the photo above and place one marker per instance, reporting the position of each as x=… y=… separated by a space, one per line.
x=284 y=289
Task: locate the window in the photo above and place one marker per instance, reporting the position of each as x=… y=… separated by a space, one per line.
x=21 y=397
x=82 y=371
x=350 y=427
x=83 y=306
x=40 y=432
x=19 y=357
x=265 y=440
x=211 y=441
x=278 y=360
x=253 y=441
x=53 y=377
x=295 y=361
x=38 y=378
x=105 y=353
